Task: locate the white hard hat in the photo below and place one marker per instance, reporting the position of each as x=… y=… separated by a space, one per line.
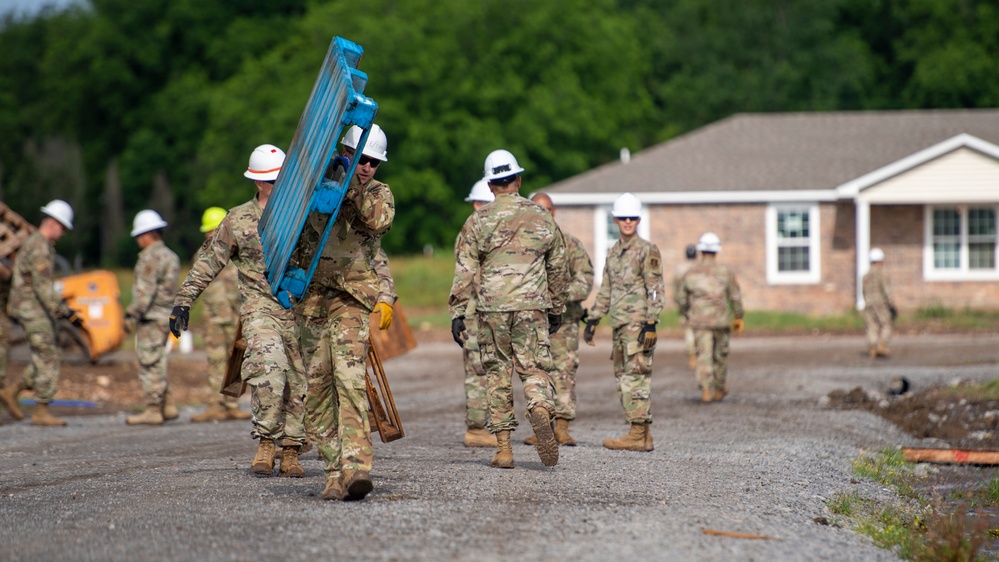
x=60 y=211
x=709 y=243
x=481 y=192
x=265 y=163
x=377 y=145
x=626 y=205
x=500 y=164
x=352 y=137
x=877 y=255
x=147 y=221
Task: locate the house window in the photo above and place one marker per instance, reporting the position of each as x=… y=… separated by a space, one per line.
x=961 y=243
x=792 y=244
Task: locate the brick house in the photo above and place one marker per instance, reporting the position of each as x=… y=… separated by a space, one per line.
x=799 y=199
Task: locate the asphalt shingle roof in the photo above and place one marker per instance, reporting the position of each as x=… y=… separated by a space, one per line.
x=783 y=151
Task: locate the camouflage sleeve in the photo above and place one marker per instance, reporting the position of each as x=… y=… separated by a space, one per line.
x=602 y=303
x=886 y=290
x=212 y=257
x=581 y=271
x=466 y=267
x=735 y=295
x=557 y=269
x=374 y=206
x=143 y=286
x=680 y=295
x=42 y=283
x=655 y=286
x=386 y=285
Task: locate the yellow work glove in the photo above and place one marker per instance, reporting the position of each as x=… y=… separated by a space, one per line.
x=384 y=309
x=737 y=326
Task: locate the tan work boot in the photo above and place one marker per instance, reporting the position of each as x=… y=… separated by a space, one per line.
x=649 y=446
x=637 y=439
x=872 y=351
x=562 y=433
x=334 y=489
x=546 y=446
x=152 y=415
x=479 y=438
x=356 y=485
x=882 y=350
x=531 y=440
x=289 y=463
x=720 y=393
x=214 y=412
x=263 y=461
x=504 y=451
x=42 y=416
x=691 y=361
x=9 y=398
x=169 y=411
x=234 y=413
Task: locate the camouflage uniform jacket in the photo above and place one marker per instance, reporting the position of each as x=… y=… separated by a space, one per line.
x=155 y=284
x=386 y=285
x=632 y=287
x=678 y=274
x=580 y=278
x=32 y=293
x=515 y=250
x=221 y=298
x=348 y=260
x=709 y=295
x=236 y=239
x=877 y=289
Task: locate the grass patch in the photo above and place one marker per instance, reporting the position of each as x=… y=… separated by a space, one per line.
x=889 y=468
x=976 y=392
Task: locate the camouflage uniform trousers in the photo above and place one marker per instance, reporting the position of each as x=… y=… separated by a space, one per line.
x=633 y=371
x=877 y=320
x=475 y=380
x=336 y=352
x=273 y=370
x=151 y=352
x=565 y=355
x=712 y=357
x=42 y=375
x=5 y=329
x=515 y=342
x=218 y=345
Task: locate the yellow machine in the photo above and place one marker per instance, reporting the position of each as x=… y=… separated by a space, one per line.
x=95 y=296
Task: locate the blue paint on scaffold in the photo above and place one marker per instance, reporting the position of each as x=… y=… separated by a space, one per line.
x=308 y=183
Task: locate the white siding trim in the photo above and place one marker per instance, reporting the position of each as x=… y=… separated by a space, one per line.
x=775 y=277
x=695 y=197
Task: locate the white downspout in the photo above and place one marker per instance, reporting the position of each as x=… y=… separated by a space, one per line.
x=863 y=210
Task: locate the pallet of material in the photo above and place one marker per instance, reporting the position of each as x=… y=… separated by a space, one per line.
x=14 y=230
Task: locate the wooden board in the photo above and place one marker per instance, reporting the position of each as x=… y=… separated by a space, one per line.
x=14 y=230
x=397 y=339
x=950 y=456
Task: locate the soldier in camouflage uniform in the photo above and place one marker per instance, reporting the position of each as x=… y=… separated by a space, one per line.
x=688 y=332
x=709 y=297
x=222 y=302
x=148 y=316
x=333 y=321
x=632 y=294
x=6 y=272
x=565 y=342
x=476 y=405
x=515 y=250
x=273 y=365
x=879 y=309
x=37 y=306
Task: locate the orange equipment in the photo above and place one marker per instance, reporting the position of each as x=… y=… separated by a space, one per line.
x=95 y=296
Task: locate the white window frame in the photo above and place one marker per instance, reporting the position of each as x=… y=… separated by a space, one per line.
x=963 y=272
x=814 y=274
x=602 y=243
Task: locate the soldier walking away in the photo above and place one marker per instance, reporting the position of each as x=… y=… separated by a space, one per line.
x=476 y=405
x=565 y=341
x=632 y=295
x=709 y=297
x=688 y=332
x=515 y=250
x=37 y=306
x=273 y=365
x=6 y=271
x=879 y=308
x=148 y=316
x=333 y=322
x=222 y=302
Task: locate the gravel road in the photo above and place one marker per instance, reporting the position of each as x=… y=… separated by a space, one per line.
x=762 y=462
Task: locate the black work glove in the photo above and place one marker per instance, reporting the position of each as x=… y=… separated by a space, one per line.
x=894 y=312
x=178 y=320
x=74 y=318
x=647 y=337
x=585 y=316
x=589 y=330
x=554 y=323
x=457 y=327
